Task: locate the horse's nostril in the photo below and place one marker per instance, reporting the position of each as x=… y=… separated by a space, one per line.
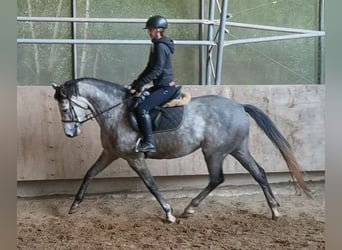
x=70 y=134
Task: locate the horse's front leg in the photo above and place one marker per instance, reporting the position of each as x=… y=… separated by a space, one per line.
x=101 y=163
x=139 y=166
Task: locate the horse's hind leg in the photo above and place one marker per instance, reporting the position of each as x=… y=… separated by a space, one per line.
x=247 y=161
x=101 y=163
x=214 y=164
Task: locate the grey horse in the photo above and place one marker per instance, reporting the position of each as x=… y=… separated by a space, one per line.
x=217 y=125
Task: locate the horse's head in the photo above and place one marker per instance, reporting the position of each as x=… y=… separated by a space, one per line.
x=73 y=108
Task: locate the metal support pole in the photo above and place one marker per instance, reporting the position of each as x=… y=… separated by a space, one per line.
x=210 y=38
x=221 y=41
x=74 y=36
x=201 y=49
x=321 y=61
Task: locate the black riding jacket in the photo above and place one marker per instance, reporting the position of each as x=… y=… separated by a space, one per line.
x=159 y=68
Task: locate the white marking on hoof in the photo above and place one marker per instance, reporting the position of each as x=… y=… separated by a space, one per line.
x=170 y=218
x=275 y=213
x=74 y=208
x=188 y=212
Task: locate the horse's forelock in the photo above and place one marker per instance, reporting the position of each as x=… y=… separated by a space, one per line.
x=66 y=90
x=70 y=88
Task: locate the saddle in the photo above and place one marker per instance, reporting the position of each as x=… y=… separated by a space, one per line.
x=167 y=117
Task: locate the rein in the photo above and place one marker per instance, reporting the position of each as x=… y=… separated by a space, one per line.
x=91 y=115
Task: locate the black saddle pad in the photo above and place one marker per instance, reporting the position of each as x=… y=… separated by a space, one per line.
x=163 y=119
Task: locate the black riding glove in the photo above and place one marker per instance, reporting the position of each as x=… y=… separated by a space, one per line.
x=137 y=85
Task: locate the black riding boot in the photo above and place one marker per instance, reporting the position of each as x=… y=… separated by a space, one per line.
x=145 y=124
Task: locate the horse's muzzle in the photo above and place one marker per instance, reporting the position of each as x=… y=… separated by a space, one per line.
x=75 y=131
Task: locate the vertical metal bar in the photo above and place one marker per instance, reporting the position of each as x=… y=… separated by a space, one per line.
x=220 y=46
x=210 y=38
x=201 y=48
x=321 y=56
x=74 y=36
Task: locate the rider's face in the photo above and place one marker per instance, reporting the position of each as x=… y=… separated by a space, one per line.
x=154 y=33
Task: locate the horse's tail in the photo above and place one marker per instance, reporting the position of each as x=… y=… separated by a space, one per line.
x=266 y=124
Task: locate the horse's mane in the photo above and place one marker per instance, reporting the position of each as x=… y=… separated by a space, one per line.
x=70 y=88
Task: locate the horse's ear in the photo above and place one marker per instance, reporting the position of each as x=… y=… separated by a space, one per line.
x=54 y=85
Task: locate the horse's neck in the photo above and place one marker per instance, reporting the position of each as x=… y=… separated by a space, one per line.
x=101 y=98
x=106 y=100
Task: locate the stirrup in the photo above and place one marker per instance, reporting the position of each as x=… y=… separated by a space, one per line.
x=150 y=149
x=137 y=145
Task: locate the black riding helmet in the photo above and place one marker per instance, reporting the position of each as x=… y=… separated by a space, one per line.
x=156 y=22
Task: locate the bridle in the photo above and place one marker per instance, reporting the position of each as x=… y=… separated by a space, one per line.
x=88 y=116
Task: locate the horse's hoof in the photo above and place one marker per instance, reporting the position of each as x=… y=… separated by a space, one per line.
x=74 y=208
x=187 y=214
x=275 y=218
x=176 y=220
x=275 y=214
x=171 y=219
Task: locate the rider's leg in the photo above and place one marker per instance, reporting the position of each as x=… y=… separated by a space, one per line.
x=145 y=123
x=155 y=98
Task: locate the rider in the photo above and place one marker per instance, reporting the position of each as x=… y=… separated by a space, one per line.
x=159 y=70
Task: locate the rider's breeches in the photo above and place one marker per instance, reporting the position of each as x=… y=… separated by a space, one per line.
x=156 y=98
